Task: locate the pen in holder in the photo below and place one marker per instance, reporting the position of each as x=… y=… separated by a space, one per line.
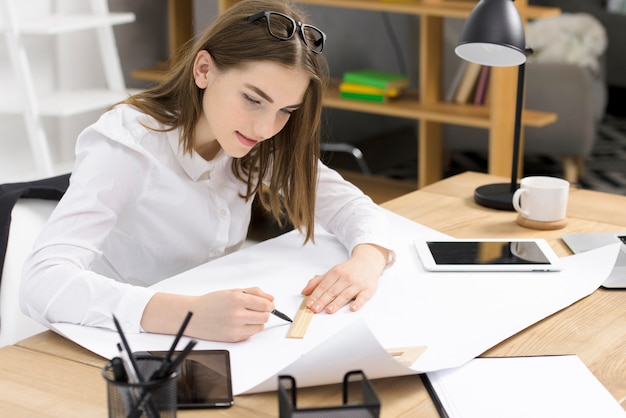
x=144 y=386
x=155 y=398
x=359 y=399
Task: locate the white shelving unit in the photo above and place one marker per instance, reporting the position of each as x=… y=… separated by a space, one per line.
x=31 y=105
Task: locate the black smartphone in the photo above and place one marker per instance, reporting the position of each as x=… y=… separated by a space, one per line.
x=204 y=379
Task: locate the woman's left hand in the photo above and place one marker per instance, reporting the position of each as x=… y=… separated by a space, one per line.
x=354 y=280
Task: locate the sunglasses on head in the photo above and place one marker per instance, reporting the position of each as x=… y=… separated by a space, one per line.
x=283 y=27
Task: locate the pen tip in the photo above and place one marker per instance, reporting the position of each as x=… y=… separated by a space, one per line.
x=281 y=315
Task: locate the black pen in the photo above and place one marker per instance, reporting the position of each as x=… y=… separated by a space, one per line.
x=131 y=357
x=167 y=367
x=281 y=315
x=119 y=371
x=178 y=336
x=162 y=373
x=180 y=357
x=134 y=370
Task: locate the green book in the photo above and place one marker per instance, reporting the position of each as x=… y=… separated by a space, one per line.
x=378 y=98
x=375 y=78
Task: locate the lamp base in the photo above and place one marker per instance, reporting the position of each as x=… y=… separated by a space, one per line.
x=495 y=196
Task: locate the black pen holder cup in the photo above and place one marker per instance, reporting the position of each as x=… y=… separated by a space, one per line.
x=359 y=399
x=151 y=399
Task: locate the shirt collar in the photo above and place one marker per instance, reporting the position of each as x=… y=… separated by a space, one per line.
x=196 y=167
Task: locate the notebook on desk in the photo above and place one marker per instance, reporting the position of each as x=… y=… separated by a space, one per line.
x=537 y=387
x=581 y=242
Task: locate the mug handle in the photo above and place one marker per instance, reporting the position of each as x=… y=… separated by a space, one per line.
x=516 y=199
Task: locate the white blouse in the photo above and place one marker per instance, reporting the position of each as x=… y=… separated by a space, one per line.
x=138 y=210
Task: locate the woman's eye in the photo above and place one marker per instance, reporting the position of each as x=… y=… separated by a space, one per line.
x=251 y=99
x=288 y=112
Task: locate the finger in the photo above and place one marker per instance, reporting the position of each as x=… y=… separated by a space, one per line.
x=256 y=302
x=258 y=292
x=326 y=292
x=311 y=285
x=340 y=300
x=246 y=318
x=361 y=299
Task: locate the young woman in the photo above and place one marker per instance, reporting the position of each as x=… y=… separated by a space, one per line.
x=164 y=182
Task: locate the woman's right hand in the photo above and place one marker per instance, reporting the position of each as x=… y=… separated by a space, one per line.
x=225 y=315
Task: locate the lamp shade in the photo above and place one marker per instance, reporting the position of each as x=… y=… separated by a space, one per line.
x=493 y=35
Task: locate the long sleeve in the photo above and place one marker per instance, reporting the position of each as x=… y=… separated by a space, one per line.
x=59 y=284
x=138 y=210
x=343 y=210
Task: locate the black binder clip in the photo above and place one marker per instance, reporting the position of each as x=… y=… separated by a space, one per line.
x=359 y=399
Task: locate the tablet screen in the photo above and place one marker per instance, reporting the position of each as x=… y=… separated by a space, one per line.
x=486 y=252
x=204 y=380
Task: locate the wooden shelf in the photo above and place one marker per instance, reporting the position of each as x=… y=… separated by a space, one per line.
x=409 y=106
x=440 y=8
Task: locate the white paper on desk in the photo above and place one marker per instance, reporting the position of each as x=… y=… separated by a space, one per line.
x=281 y=267
x=457 y=316
x=522 y=387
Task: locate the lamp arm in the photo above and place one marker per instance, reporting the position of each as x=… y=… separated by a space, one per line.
x=519 y=105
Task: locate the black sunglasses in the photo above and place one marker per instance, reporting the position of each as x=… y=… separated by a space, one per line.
x=283 y=27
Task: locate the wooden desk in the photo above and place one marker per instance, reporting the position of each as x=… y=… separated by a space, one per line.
x=54 y=377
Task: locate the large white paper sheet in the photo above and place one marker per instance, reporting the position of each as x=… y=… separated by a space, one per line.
x=457 y=316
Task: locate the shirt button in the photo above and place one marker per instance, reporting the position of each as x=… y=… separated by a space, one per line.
x=223 y=213
x=215 y=253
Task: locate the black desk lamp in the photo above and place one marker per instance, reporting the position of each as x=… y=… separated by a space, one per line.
x=493 y=35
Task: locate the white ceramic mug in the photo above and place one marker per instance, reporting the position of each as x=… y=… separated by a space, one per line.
x=541 y=198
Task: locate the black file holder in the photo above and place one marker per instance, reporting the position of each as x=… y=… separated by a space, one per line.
x=359 y=399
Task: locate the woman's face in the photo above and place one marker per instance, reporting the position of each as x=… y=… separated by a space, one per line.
x=244 y=106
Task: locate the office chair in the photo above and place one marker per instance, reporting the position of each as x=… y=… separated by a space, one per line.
x=24 y=210
x=27 y=219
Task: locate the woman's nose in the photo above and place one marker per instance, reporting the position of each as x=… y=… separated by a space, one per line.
x=265 y=127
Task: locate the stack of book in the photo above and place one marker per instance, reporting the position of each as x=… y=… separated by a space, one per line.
x=470 y=84
x=372 y=85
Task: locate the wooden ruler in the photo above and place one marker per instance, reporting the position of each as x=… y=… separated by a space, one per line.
x=301 y=321
x=407 y=355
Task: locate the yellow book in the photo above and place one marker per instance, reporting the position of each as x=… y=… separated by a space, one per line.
x=375 y=78
x=363 y=89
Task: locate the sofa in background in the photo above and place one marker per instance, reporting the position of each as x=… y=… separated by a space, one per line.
x=615 y=26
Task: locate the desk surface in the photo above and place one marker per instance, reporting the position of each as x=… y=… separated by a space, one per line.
x=52 y=376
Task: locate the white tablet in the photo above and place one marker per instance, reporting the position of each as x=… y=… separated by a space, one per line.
x=487 y=255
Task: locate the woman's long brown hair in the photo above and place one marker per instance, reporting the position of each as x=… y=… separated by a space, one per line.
x=289 y=160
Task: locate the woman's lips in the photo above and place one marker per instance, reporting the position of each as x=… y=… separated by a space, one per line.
x=246 y=141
